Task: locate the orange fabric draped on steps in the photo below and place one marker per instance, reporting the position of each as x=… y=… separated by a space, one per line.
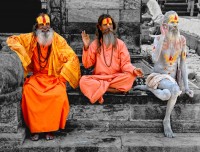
x=45 y=104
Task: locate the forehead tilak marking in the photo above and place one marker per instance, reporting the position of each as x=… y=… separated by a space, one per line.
x=44 y=19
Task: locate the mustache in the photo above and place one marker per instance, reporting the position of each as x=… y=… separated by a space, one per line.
x=44 y=37
x=107 y=31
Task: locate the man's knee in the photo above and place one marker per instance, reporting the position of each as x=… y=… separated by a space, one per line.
x=175 y=90
x=82 y=81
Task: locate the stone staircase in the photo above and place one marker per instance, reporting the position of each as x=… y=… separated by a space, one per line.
x=180 y=6
x=125 y=122
x=129 y=122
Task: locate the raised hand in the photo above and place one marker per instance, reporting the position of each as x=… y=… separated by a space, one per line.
x=164 y=29
x=85 y=39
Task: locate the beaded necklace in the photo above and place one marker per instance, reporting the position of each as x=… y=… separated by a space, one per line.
x=105 y=58
x=41 y=58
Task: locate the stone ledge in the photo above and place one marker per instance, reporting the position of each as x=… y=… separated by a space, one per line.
x=132 y=97
x=98 y=141
x=8 y=141
x=10 y=111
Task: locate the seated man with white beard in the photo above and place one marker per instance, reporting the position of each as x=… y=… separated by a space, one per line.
x=113 y=71
x=47 y=55
x=170 y=71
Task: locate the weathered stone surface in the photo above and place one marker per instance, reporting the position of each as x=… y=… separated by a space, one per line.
x=56 y=21
x=74 y=124
x=85 y=142
x=138 y=126
x=149 y=111
x=130 y=34
x=76 y=41
x=94 y=4
x=187 y=112
x=130 y=16
x=10 y=111
x=128 y=28
x=11 y=71
x=114 y=14
x=54 y=3
x=98 y=141
x=157 y=143
x=132 y=4
x=11 y=141
x=132 y=41
x=105 y=112
x=85 y=15
x=77 y=28
x=40 y=146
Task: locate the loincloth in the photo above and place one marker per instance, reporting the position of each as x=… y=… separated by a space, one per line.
x=154 y=79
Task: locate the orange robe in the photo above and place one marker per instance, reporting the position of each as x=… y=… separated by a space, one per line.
x=45 y=104
x=120 y=75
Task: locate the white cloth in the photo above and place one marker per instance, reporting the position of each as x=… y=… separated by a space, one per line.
x=154 y=78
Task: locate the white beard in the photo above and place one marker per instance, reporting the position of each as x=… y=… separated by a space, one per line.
x=173 y=35
x=109 y=38
x=44 y=38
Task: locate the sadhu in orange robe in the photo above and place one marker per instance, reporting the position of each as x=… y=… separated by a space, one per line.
x=112 y=69
x=45 y=103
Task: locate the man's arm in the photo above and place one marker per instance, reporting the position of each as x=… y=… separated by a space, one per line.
x=70 y=71
x=126 y=64
x=21 y=45
x=183 y=68
x=89 y=51
x=158 y=43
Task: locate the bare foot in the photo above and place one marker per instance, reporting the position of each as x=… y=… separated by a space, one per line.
x=35 y=137
x=101 y=100
x=167 y=129
x=49 y=136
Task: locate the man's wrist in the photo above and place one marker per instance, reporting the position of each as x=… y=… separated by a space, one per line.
x=85 y=47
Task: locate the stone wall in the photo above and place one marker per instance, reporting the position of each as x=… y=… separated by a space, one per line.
x=70 y=17
x=11 y=80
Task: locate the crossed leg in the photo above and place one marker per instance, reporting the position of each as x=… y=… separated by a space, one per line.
x=175 y=91
x=167 y=90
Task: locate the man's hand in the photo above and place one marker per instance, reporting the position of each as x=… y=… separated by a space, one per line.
x=164 y=29
x=85 y=39
x=61 y=78
x=189 y=92
x=138 y=72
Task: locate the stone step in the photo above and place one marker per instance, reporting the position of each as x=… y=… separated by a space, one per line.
x=182 y=13
x=106 y=141
x=139 y=111
x=175 y=1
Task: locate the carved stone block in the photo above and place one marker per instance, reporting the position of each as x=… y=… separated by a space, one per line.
x=11 y=71
x=94 y=4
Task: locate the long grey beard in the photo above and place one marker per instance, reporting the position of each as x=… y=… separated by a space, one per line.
x=109 y=38
x=44 y=38
x=173 y=36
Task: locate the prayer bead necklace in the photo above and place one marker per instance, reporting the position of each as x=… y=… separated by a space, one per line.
x=42 y=59
x=105 y=58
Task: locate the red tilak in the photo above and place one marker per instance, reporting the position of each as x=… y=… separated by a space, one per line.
x=175 y=18
x=107 y=20
x=44 y=20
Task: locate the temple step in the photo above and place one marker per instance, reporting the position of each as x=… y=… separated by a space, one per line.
x=97 y=141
